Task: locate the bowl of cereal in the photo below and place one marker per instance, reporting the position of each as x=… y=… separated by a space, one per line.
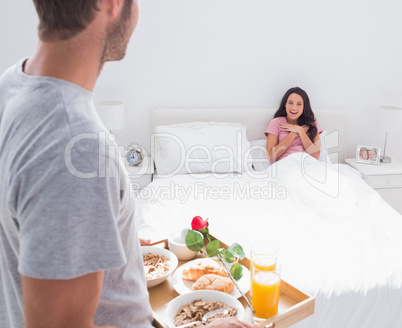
x=159 y=264
x=193 y=306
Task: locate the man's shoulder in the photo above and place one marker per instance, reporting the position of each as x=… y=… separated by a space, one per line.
x=60 y=103
x=42 y=115
x=6 y=75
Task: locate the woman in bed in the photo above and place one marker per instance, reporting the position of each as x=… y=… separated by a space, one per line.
x=293 y=128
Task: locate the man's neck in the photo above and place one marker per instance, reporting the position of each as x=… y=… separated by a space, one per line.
x=67 y=60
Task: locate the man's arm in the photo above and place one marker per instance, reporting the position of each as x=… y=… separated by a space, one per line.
x=61 y=303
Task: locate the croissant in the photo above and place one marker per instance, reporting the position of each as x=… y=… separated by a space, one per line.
x=214 y=282
x=201 y=268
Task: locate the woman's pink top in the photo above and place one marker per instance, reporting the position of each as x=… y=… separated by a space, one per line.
x=296 y=146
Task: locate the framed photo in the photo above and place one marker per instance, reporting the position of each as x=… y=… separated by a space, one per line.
x=368 y=155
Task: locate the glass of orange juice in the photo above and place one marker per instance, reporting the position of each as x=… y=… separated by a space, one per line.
x=263 y=255
x=265 y=280
x=265 y=289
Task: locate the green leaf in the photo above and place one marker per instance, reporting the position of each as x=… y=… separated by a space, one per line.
x=227 y=255
x=236 y=249
x=213 y=248
x=194 y=241
x=236 y=271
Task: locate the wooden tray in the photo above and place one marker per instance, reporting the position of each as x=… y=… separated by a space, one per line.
x=294 y=305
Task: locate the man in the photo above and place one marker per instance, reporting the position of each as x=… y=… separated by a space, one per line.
x=69 y=252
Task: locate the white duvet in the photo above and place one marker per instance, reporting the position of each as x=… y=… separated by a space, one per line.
x=338 y=239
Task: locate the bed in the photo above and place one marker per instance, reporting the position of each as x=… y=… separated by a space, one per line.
x=338 y=239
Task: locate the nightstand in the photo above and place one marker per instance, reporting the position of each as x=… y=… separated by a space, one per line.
x=140 y=176
x=385 y=178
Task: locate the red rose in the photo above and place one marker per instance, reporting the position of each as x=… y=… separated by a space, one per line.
x=198 y=223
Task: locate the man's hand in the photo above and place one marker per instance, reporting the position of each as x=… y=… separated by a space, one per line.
x=145 y=242
x=229 y=323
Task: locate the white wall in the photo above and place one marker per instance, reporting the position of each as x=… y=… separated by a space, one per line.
x=246 y=54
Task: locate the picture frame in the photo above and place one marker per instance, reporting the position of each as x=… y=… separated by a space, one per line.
x=368 y=155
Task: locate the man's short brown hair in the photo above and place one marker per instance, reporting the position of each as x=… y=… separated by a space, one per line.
x=63 y=19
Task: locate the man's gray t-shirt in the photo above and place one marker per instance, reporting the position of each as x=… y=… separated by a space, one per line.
x=62 y=211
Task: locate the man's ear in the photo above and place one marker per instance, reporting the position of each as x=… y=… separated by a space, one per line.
x=114 y=7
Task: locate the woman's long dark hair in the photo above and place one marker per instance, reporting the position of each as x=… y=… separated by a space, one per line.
x=307 y=118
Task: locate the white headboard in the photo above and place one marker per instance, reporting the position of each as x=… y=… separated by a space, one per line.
x=335 y=121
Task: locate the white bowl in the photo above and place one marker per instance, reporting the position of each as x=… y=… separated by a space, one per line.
x=174 y=306
x=169 y=255
x=177 y=244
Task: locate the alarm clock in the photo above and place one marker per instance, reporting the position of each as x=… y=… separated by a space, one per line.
x=134 y=155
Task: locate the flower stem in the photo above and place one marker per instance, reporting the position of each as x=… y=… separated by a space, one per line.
x=208 y=236
x=237 y=286
x=230 y=275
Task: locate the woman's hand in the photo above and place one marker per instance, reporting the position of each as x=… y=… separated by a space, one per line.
x=294 y=128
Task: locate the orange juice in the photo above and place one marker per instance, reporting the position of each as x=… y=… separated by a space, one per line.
x=264 y=263
x=265 y=293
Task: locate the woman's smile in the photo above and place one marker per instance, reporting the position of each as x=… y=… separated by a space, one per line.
x=294 y=106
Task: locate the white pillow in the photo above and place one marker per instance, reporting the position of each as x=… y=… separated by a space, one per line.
x=258 y=153
x=200 y=147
